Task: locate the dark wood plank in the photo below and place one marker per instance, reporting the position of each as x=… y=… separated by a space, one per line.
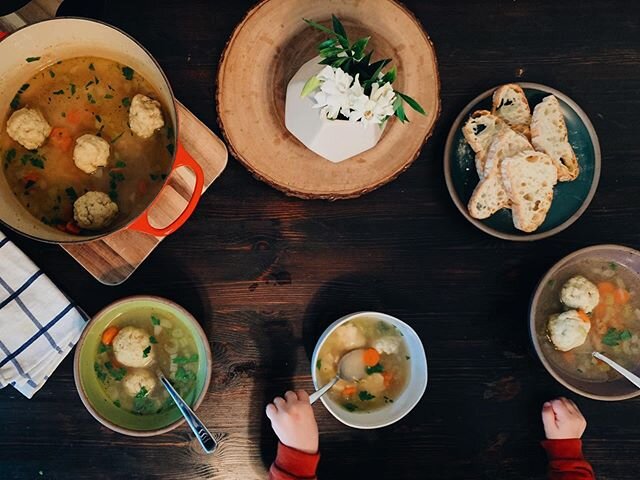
x=265 y=273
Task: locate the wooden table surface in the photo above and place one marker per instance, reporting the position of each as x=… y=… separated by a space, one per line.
x=265 y=273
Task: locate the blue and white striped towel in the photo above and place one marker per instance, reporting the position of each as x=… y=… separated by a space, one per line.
x=39 y=325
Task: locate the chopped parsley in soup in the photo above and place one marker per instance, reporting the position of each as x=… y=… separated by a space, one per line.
x=133 y=348
x=86 y=144
x=386 y=364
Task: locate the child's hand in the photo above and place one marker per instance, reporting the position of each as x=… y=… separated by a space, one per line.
x=562 y=419
x=293 y=421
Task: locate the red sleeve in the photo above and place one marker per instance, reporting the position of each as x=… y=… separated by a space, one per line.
x=566 y=461
x=3 y=34
x=292 y=464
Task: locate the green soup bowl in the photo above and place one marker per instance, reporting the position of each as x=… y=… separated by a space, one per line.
x=91 y=392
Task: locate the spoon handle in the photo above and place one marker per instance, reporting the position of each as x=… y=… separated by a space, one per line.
x=203 y=435
x=316 y=395
x=618 y=368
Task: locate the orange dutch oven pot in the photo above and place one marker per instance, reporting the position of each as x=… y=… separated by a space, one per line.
x=59 y=39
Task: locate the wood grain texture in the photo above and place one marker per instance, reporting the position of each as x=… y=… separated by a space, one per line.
x=113 y=259
x=266 y=50
x=265 y=273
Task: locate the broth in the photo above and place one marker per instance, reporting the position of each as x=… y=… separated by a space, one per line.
x=173 y=350
x=383 y=382
x=85 y=95
x=615 y=321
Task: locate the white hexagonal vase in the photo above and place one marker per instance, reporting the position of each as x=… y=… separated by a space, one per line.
x=335 y=140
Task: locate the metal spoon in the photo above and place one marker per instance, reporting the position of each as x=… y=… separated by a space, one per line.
x=618 y=368
x=203 y=435
x=351 y=367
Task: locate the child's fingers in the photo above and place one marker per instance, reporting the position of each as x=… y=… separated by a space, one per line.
x=560 y=408
x=271 y=410
x=279 y=402
x=290 y=396
x=548 y=416
x=570 y=406
x=302 y=395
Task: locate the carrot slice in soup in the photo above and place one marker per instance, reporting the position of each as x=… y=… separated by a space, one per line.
x=606 y=287
x=61 y=139
x=108 y=335
x=621 y=296
x=348 y=390
x=582 y=314
x=371 y=357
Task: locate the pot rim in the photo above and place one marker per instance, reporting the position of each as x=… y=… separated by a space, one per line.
x=176 y=129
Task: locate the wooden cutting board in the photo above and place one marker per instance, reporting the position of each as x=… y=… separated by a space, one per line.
x=113 y=259
x=267 y=48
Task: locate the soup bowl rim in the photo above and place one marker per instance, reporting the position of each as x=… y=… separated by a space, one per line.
x=173 y=108
x=379 y=316
x=535 y=300
x=188 y=317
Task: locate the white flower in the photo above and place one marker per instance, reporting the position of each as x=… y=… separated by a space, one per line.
x=333 y=97
x=376 y=108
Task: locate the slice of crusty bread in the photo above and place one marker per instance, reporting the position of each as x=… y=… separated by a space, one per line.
x=549 y=135
x=505 y=144
x=489 y=195
x=511 y=105
x=479 y=131
x=529 y=178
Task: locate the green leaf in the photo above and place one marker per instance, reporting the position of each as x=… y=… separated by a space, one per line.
x=32 y=59
x=390 y=76
x=103 y=348
x=399 y=110
x=58 y=92
x=343 y=41
x=117 y=403
x=182 y=360
x=319 y=364
x=72 y=87
x=155 y=320
x=377 y=68
x=146 y=351
x=126 y=101
x=91 y=67
x=312 y=84
x=359 y=46
x=117 y=373
x=365 y=396
x=626 y=335
x=152 y=339
x=341 y=33
x=412 y=103
x=120 y=164
x=128 y=73
x=71 y=193
x=350 y=407
x=99 y=372
x=52 y=74
x=327 y=43
x=377 y=368
x=613 y=337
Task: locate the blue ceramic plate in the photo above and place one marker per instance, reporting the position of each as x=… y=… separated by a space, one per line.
x=570 y=199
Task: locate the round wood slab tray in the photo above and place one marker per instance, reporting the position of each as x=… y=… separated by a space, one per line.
x=269 y=46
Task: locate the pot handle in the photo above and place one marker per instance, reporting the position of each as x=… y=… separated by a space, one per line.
x=183 y=159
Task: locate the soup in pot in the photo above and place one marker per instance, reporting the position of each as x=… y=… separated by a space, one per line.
x=86 y=144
